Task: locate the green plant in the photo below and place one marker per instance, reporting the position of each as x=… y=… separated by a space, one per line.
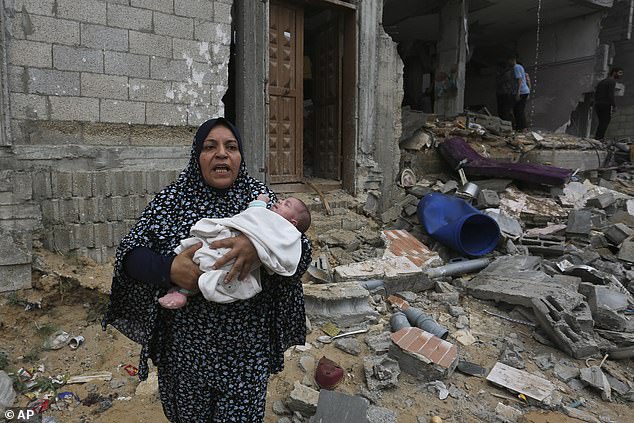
x=32 y=356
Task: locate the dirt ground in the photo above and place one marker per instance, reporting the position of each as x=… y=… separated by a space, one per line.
x=73 y=295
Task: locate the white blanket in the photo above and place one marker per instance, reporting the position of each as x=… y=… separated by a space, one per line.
x=276 y=240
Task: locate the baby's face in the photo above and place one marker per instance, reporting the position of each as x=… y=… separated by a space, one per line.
x=289 y=209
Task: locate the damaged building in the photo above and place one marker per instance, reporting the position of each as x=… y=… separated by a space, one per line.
x=100 y=99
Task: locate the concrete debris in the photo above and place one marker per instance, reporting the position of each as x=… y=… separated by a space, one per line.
x=337 y=407
x=381 y=372
x=595 y=377
x=344 y=303
x=303 y=399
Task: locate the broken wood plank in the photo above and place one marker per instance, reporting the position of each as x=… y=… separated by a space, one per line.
x=520 y=381
x=321 y=196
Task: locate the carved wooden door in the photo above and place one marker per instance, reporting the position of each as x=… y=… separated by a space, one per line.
x=327 y=149
x=286 y=29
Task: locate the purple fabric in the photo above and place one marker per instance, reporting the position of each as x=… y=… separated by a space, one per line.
x=455 y=150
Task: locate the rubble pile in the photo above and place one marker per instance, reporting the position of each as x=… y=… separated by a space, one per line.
x=562 y=268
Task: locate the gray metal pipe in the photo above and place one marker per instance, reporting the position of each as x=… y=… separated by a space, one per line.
x=458 y=268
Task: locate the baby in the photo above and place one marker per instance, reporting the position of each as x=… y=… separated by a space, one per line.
x=275 y=234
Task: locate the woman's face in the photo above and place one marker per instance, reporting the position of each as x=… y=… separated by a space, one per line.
x=220 y=157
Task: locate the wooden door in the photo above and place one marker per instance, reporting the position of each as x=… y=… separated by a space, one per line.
x=327 y=75
x=286 y=103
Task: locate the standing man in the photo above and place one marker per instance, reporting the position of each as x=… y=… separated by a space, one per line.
x=505 y=90
x=604 y=101
x=521 y=94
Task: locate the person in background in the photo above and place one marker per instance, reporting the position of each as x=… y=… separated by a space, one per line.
x=522 y=92
x=214 y=360
x=504 y=91
x=604 y=102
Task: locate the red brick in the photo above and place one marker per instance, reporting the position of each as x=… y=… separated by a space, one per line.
x=402 y=243
x=398 y=302
x=424 y=343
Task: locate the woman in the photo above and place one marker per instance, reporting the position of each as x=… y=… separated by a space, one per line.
x=213 y=360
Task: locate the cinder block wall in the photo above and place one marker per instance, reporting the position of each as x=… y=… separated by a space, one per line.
x=102 y=100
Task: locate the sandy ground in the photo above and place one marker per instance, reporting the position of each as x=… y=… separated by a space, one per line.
x=77 y=310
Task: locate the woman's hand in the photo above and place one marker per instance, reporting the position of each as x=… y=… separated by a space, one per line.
x=184 y=271
x=242 y=251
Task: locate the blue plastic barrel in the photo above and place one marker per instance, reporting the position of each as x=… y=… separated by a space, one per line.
x=457 y=224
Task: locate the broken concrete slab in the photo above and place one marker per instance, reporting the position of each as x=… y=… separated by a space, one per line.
x=379 y=343
x=344 y=303
x=601 y=201
x=381 y=372
x=595 y=377
x=423 y=355
x=303 y=399
x=521 y=381
x=606 y=304
x=337 y=407
x=562 y=328
x=626 y=252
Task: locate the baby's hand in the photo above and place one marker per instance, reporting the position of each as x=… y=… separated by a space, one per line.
x=264 y=197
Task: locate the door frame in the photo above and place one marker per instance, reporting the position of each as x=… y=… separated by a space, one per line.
x=252 y=116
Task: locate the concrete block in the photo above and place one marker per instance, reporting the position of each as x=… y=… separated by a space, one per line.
x=41 y=7
x=82 y=184
x=167 y=69
x=166 y=114
x=104 y=86
x=332 y=403
x=28 y=106
x=83 y=235
x=381 y=372
x=23 y=186
x=222 y=13
x=117 y=183
x=77 y=59
x=89 y=211
x=166 y=6
x=42 y=188
x=101 y=184
x=16 y=247
x=74 y=109
x=127 y=64
x=122 y=111
x=344 y=303
x=69 y=210
x=103 y=37
x=82 y=10
x=173 y=26
x=152 y=182
x=53 y=30
x=103 y=235
x=20 y=211
x=204 y=29
x=618 y=233
x=129 y=17
x=194 y=50
x=562 y=328
x=135 y=182
x=150 y=44
x=488 y=199
x=151 y=90
x=53 y=82
x=194 y=8
x=62 y=185
x=601 y=201
x=17 y=79
x=626 y=252
x=62 y=239
x=423 y=355
x=114 y=208
x=579 y=223
x=50 y=212
x=606 y=305
x=30 y=53
x=15 y=277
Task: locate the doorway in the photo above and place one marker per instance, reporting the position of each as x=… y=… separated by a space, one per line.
x=312 y=57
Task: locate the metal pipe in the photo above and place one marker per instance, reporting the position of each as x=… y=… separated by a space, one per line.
x=458 y=267
x=399 y=321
